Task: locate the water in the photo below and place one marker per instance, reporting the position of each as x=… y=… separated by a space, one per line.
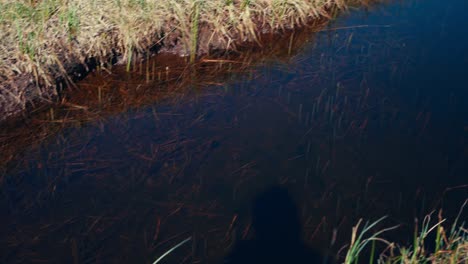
x=366 y=118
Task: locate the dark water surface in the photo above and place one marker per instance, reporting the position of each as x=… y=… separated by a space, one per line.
x=368 y=118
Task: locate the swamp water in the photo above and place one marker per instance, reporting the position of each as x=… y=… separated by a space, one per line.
x=366 y=118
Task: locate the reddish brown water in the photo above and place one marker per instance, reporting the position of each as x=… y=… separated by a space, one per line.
x=366 y=118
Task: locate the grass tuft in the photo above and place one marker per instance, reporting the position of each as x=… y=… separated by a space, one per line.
x=451 y=246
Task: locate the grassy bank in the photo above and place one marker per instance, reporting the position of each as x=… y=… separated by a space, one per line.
x=434 y=241
x=43 y=42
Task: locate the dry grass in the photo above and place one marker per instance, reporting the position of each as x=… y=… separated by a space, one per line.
x=42 y=41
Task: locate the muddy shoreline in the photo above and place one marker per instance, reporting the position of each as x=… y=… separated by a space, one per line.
x=26 y=92
x=171 y=78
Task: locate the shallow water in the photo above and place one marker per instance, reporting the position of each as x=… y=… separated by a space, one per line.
x=366 y=118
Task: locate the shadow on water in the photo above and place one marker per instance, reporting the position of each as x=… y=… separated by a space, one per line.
x=277 y=233
x=364 y=119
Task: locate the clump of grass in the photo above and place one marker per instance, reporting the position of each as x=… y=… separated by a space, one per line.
x=195 y=27
x=359 y=241
x=44 y=40
x=450 y=245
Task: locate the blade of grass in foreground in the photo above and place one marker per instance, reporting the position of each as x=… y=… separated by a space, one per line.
x=451 y=246
x=172 y=249
x=358 y=242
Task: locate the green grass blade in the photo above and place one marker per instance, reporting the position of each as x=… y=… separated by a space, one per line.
x=172 y=249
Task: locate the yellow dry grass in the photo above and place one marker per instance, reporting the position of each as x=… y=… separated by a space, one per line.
x=42 y=40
